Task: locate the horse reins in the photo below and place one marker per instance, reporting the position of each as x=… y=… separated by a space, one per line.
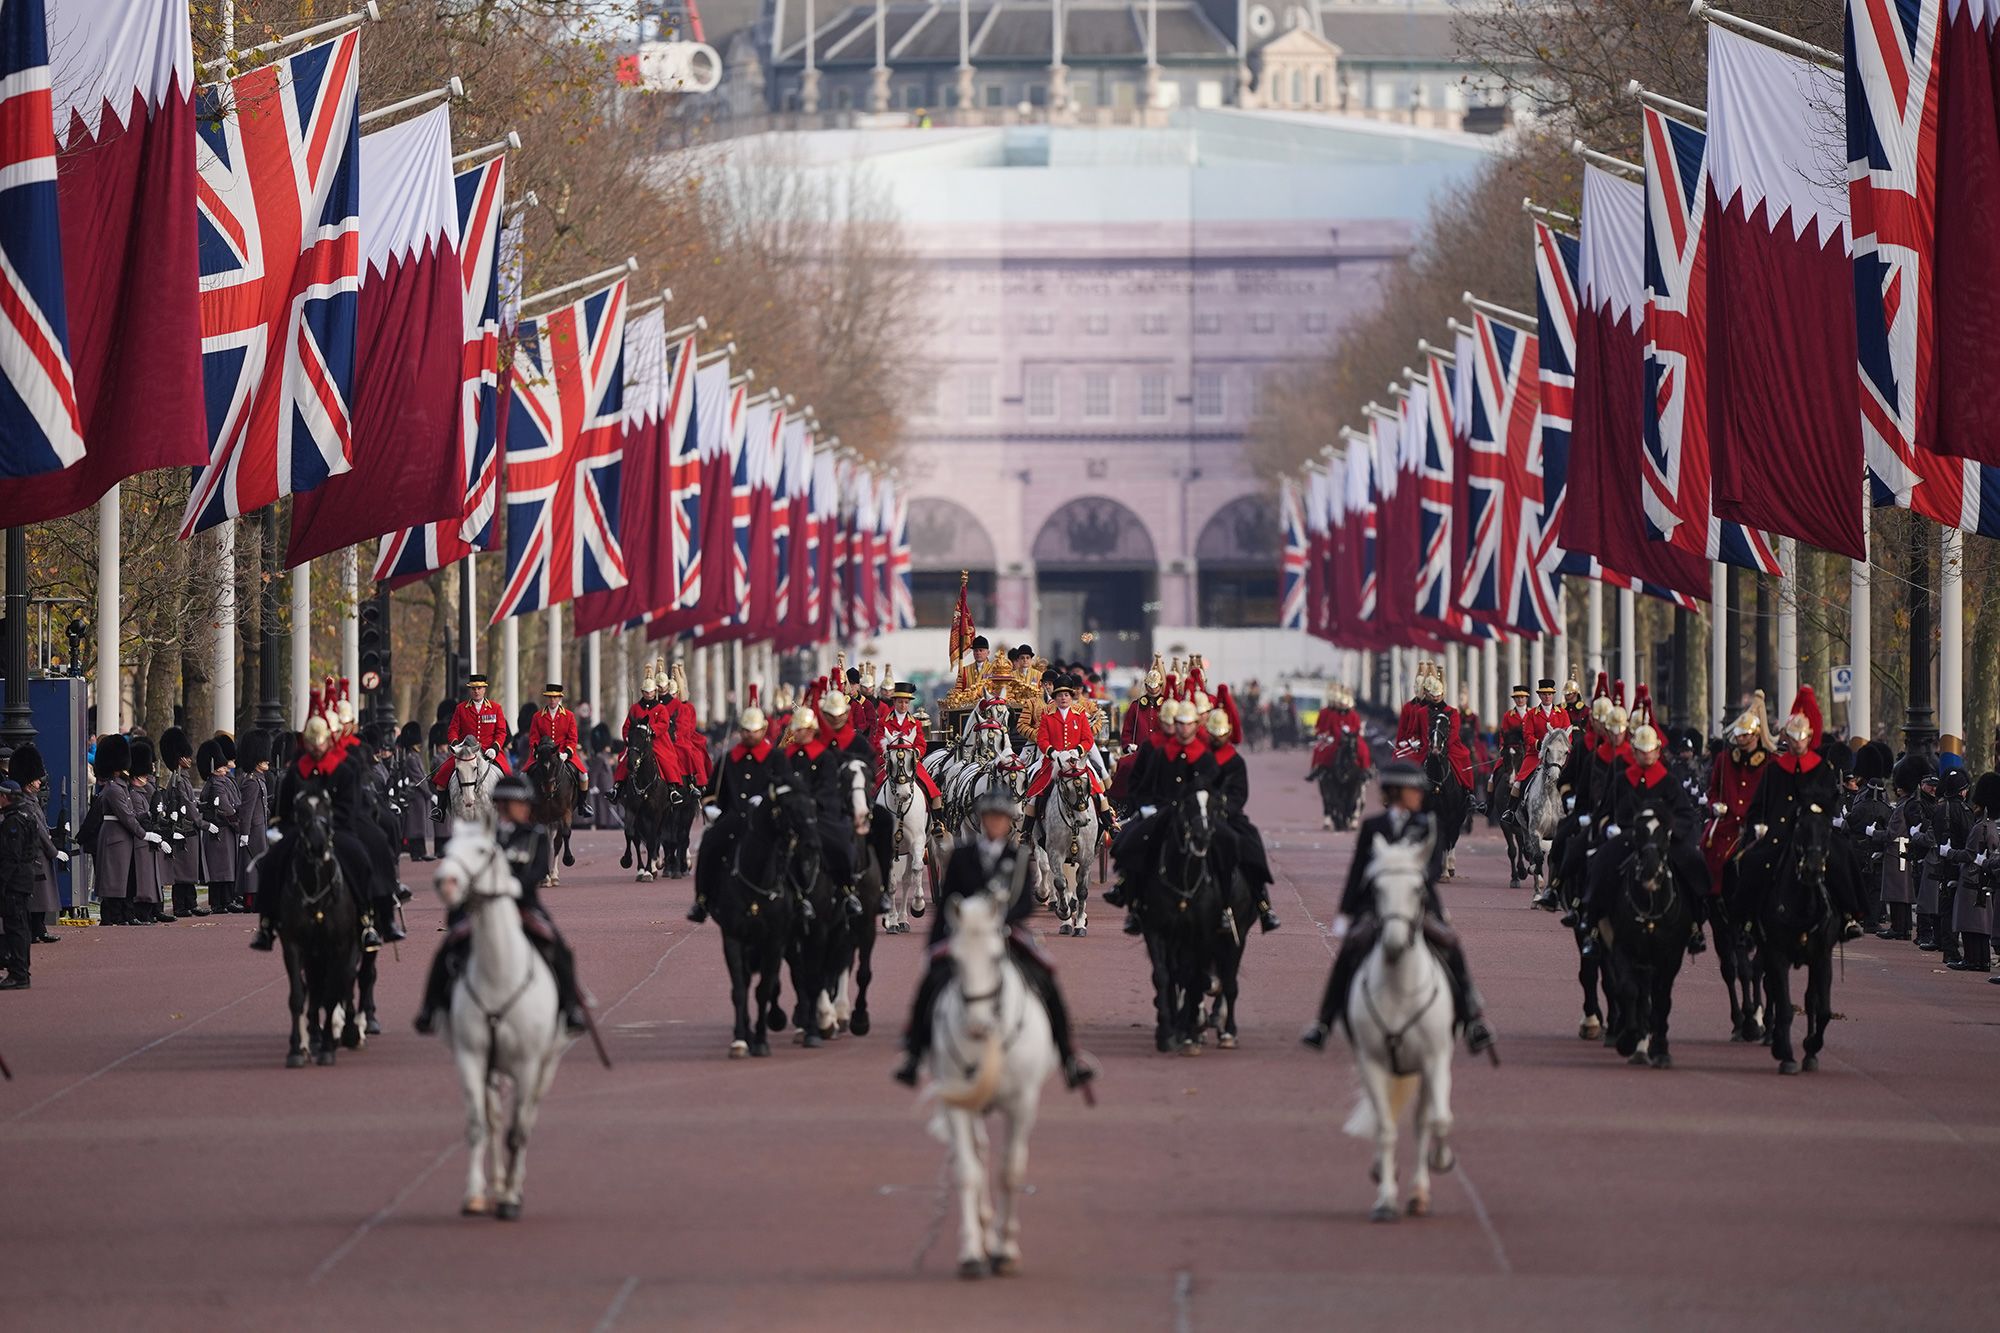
x=1392 y=1040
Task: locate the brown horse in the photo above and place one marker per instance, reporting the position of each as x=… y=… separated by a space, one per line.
x=556 y=790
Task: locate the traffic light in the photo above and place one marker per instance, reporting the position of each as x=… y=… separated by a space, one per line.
x=374 y=615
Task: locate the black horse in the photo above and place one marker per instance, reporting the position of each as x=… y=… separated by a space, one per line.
x=1651 y=920
x=319 y=923
x=683 y=799
x=741 y=874
x=647 y=799
x=1450 y=802
x=1523 y=852
x=1796 y=926
x=1340 y=782
x=1181 y=909
x=556 y=790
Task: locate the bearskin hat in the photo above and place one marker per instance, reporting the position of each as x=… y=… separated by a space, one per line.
x=1910 y=772
x=445 y=709
x=207 y=757
x=142 y=756
x=600 y=737
x=411 y=736
x=114 y=754
x=225 y=745
x=1986 y=792
x=26 y=766
x=174 y=747
x=255 y=749
x=1836 y=754
x=1874 y=762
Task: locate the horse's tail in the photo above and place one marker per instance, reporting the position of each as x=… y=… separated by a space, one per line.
x=977 y=1093
x=1361 y=1120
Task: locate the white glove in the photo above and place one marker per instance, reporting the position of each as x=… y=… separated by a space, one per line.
x=1583 y=821
x=492 y=755
x=213 y=829
x=242 y=840
x=1944 y=849
x=156 y=839
x=62 y=857
x=756 y=801
x=1149 y=810
x=1341 y=926
x=1612 y=830
x=1718 y=807
x=712 y=811
x=1980 y=859
x=273 y=836
x=1840 y=821
x=180 y=837
x=1868 y=832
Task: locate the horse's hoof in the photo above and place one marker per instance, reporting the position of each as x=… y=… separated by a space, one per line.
x=475 y=1207
x=1788 y=1066
x=760 y=1049
x=1634 y=1058
x=917 y=908
x=568 y=859
x=508 y=1212
x=350 y=1037
x=1382 y=1212
x=325 y=1057
x=1063 y=929
x=1660 y=1060
x=972 y=1269
x=777 y=1020
x=1005 y=1267
x=1443 y=1159
x=1627 y=1045
x=295 y=1060
x=738 y=1049
x=1736 y=1034
x=1589 y=1027
x=1810 y=1063
x=1226 y=1041
x=1081 y=931
x=372 y=1028
x=1419 y=1206
x=1190 y=1047
x=810 y=1040
x=1162 y=1042
x=858 y=1023
x=625 y=861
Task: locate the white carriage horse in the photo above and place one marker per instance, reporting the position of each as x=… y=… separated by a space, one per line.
x=1399 y=1021
x=1541 y=806
x=1069 y=839
x=905 y=799
x=506 y=1028
x=991 y=1051
x=469 y=793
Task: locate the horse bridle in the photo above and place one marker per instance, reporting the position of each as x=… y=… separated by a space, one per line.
x=475 y=900
x=1392 y=1039
x=1651 y=885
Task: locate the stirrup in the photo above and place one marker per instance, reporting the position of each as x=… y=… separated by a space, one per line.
x=371 y=942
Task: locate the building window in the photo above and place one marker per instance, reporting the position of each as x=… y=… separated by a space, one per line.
x=1208 y=323
x=1081 y=96
x=1316 y=321
x=1097 y=394
x=981 y=324
x=1041 y=321
x=913 y=96
x=1153 y=394
x=1170 y=94
x=979 y=396
x=1153 y=322
x=1260 y=387
x=1038 y=94
x=1208 y=93
x=1208 y=393
x=843 y=99
x=926 y=396
x=1319 y=90
x=1236 y=598
x=1298 y=86
x=1097 y=324
x=996 y=96
x=1263 y=322
x=1041 y=393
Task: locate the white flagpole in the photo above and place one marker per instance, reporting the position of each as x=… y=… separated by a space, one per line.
x=1451 y=674
x=301 y=638
x=1593 y=634
x=1564 y=665
x=350 y=617
x=224 y=671
x=1860 y=645
x=510 y=668
x=1788 y=623
x=623 y=696
x=1489 y=704
x=110 y=689
x=1951 y=635
x=555 y=644
x=468 y=592
x=1537 y=667
x=1628 y=641
x=1718 y=648
x=593 y=651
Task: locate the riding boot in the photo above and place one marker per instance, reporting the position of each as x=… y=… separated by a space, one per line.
x=437 y=989
x=917 y=1036
x=1465 y=996
x=1346 y=963
x=698 y=913
x=1076 y=1072
x=562 y=964
x=385 y=922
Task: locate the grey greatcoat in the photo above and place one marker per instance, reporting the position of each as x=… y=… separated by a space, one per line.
x=220 y=801
x=183 y=852
x=253 y=818
x=46 y=896
x=1899 y=864
x=412 y=781
x=126 y=867
x=1972 y=909
x=145 y=794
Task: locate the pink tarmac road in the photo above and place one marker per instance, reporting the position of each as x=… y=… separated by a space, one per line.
x=164 y=1171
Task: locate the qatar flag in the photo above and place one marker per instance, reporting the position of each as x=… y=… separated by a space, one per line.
x=405 y=468
x=758 y=618
x=1783 y=402
x=708 y=592
x=122 y=93
x=1607 y=459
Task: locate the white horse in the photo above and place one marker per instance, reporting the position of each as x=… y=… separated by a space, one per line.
x=506 y=1028
x=991 y=1051
x=1541 y=807
x=1399 y=1021
x=904 y=797
x=469 y=793
x=1069 y=841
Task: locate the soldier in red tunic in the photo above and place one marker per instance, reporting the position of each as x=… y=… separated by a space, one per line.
x=681 y=724
x=650 y=711
x=1732 y=784
x=1413 y=737
x=899 y=729
x=1142 y=715
x=476 y=715
x=1062 y=734
x=1337 y=719
x=556 y=725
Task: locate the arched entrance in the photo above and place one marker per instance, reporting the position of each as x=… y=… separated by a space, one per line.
x=1237 y=562
x=1096 y=583
x=945 y=538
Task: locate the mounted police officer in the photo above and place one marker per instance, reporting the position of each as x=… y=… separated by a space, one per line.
x=526 y=848
x=1403 y=820
x=991 y=863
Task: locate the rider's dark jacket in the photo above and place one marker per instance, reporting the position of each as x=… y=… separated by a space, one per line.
x=1357 y=900
x=746 y=771
x=1178 y=768
x=965 y=874
x=1791 y=784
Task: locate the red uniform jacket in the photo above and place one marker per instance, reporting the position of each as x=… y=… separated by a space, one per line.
x=667 y=755
x=1413 y=740
x=1142 y=722
x=1333 y=724
x=1061 y=730
x=484 y=720
x=682 y=725
x=559 y=727
x=1732 y=782
x=896 y=731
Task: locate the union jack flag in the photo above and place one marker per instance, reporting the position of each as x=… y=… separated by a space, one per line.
x=819 y=542
x=1504 y=578
x=1557 y=256
x=413 y=551
x=41 y=428
x=1676 y=491
x=280 y=248
x=902 y=596
x=1434 y=486
x=684 y=472
x=780 y=474
x=1292 y=570
x=565 y=447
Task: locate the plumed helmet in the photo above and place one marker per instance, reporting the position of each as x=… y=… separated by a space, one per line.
x=316 y=734
x=752 y=720
x=344 y=713
x=1752 y=721
x=513 y=787
x=648 y=685
x=1600 y=710
x=1202 y=703
x=1874 y=762
x=867 y=675
x=1986 y=792
x=1217 y=724
x=175 y=747
x=1603 y=687
x=1645 y=740
x=804 y=720
x=1803 y=724
x=255 y=749
x=833 y=704
x=1642 y=703
x=26 y=764
x=1910 y=772
x=1616 y=720
x=205 y=757
x=1433 y=687
x=1571 y=689
x=114 y=755
x=142 y=755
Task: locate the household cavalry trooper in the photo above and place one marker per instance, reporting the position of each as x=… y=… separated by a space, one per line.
x=556 y=725
x=650 y=711
x=1063 y=734
x=478 y=716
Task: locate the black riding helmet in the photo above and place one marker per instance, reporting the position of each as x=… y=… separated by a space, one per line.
x=512 y=787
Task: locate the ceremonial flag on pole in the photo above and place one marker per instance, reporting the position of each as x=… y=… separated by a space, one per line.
x=281 y=278
x=1678 y=508
x=1607 y=449
x=704 y=595
x=1784 y=406
x=1556 y=260
x=732 y=571
x=785 y=536
x=1370 y=604
x=563 y=455
x=405 y=465
x=1923 y=182
x=1504 y=581
x=902 y=595
x=41 y=429
x=1292 y=566
x=410 y=554
x=766 y=428
x=799 y=625
x=1432 y=408
x=826 y=526
x=653 y=378
x=117 y=89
